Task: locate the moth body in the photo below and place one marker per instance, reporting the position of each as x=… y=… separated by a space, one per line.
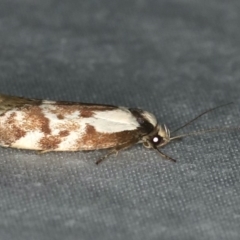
x=69 y=126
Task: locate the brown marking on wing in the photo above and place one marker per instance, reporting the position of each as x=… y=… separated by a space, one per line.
x=34 y=119
x=10 y=132
x=68 y=125
x=49 y=142
x=99 y=107
x=11 y=119
x=86 y=113
x=94 y=140
x=64 y=133
x=60 y=116
x=62 y=110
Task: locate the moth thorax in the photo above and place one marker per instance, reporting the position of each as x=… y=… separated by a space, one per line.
x=159 y=137
x=164 y=133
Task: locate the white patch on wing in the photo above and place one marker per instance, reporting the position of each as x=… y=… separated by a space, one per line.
x=29 y=141
x=150 y=117
x=48 y=102
x=116 y=120
x=19 y=116
x=69 y=141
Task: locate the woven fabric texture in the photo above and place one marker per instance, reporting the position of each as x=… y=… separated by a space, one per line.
x=172 y=58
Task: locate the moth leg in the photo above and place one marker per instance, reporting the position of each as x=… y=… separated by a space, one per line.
x=115 y=151
x=165 y=156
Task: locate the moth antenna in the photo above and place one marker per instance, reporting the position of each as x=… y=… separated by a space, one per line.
x=205 y=131
x=203 y=113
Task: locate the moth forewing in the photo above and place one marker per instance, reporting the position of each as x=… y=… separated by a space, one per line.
x=63 y=126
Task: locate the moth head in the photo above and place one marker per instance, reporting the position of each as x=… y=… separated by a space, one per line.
x=158 y=138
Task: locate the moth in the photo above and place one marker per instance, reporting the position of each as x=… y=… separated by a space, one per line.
x=69 y=126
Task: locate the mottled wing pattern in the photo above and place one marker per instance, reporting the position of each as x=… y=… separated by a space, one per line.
x=64 y=126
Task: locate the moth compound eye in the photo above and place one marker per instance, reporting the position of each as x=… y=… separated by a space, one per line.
x=156 y=140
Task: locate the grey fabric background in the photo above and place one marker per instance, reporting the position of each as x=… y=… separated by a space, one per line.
x=172 y=58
